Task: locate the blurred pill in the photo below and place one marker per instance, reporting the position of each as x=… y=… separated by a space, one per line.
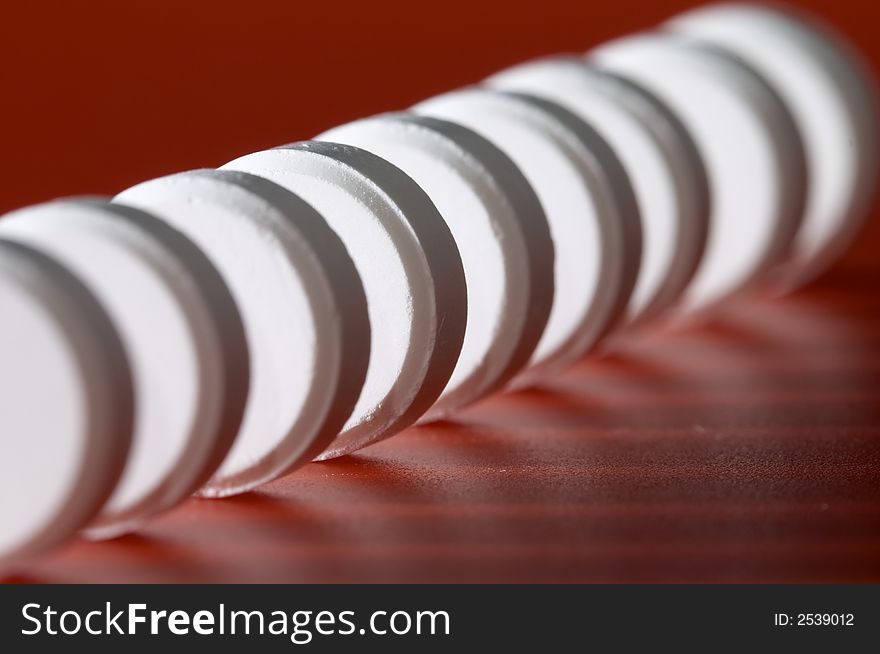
x=659 y=157
x=589 y=207
x=66 y=404
x=831 y=95
x=183 y=337
x=750 y=146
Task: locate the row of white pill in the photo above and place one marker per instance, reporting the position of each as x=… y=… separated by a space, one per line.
x=212 y=330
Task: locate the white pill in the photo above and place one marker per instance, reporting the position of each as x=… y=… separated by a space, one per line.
x=410 y=268
x=301 y=303
x=183 y=336
x=659 y=156
x=466 y=177
x=830 y=93
x=748 y=142
x=589 y=207
x=66 y=404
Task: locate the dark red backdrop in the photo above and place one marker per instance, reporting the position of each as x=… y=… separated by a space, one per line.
x=101 y=94
x=745 y=451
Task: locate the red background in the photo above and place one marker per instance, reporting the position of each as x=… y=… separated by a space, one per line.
x=101 y=94
x=746 y=451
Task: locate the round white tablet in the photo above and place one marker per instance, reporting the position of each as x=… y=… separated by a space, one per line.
x=301 y=303
x=589 y=206
x=183 y=336
x=830 y=93
x=411 y=271
x=466 y=177
x=659 y=156
x=749 y=144
x=66 y=404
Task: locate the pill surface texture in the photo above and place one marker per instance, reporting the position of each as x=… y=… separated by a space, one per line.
x=410 y=268
x=301 y=304
x=467 y=179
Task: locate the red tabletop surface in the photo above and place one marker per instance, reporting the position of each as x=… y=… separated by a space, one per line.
x=744 y=449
